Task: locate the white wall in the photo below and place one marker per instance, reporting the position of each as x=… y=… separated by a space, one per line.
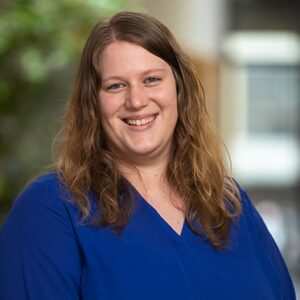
x=197 y=24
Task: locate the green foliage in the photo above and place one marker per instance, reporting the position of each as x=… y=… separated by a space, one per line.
x=40 y=45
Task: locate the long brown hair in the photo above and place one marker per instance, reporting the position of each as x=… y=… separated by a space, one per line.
x=196 y=170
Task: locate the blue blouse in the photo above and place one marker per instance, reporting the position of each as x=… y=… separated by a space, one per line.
x=45 y=253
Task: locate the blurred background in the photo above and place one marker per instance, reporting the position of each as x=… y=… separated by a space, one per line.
x=247 y=53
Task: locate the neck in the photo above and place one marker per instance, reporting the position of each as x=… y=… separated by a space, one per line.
x=150 y=172
x=146 y=175
x=151 y=167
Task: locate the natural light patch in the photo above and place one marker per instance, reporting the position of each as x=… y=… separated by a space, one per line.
x=266 y=159
x=263 y=47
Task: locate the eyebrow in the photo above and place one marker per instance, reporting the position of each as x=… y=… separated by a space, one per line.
x=142 y=74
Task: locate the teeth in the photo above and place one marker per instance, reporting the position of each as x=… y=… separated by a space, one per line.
x=140 y=122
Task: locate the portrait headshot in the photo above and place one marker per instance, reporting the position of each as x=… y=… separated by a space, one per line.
x=140 y=201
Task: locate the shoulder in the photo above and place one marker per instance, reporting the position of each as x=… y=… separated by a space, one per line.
x=38 y=244
x=44 y=189
x=264 y=245
x=245 y=201
x=39 y=213
x=249 y=219
x=252 y=223
x=46 y=183
x=43 y=197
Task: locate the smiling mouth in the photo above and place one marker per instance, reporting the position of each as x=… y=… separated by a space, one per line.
x=140 y=122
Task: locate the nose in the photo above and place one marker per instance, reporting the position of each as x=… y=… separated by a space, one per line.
x=136 y=98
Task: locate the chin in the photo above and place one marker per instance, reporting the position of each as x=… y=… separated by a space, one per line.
x=143 y=152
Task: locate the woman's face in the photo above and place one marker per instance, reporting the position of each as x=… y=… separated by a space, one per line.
x=138 y=102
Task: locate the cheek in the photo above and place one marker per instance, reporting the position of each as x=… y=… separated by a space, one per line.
x=107 y=108
x=167 y=96
x=171 y=103
x=174 y=109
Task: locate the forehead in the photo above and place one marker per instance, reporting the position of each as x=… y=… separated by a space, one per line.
x=125 y=57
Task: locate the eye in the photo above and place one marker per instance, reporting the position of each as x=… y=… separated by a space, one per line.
x=115 y=86
x=151 y=79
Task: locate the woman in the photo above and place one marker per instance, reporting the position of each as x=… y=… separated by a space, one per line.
x=140 y=205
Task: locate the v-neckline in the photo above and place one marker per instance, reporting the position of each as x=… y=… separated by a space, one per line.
x=163 y=223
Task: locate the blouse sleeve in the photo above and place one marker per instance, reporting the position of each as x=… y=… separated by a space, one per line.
x=39 y=255
x=260 y=230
